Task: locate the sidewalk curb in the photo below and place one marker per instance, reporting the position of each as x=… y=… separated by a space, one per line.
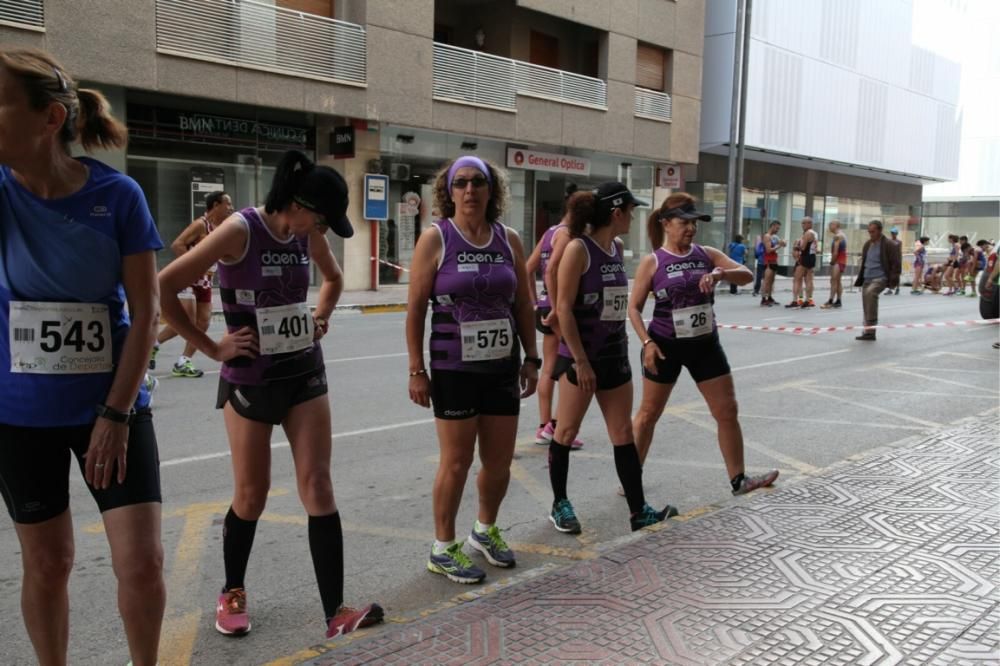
x=367 y=308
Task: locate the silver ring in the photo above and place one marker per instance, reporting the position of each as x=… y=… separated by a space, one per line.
x=99 y=465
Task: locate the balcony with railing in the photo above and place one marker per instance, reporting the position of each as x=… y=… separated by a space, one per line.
x=652 y=104
x=472 y=77
x=25 y=14
x=256 y=35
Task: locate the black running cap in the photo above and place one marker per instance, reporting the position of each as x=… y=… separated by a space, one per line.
x=615 y=195
x=323 y=190
x=687 y=212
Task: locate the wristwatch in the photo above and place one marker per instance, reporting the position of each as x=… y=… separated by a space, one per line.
x=112 y=414
x=534 y=360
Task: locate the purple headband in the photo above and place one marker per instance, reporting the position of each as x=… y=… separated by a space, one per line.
x=469 y=161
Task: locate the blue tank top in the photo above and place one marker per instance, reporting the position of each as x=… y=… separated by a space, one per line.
x=601 y=303
x=273 y=273
x=472 y=323
x=546 y=254
x=675 y=286
x=67 y=251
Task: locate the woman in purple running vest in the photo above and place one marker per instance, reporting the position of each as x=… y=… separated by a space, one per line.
x=470 y=268
x=682 y=276
x=591 y=301
x=545 y=259
x=273 y=371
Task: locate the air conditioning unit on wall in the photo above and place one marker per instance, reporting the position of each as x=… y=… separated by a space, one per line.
x=399 y=171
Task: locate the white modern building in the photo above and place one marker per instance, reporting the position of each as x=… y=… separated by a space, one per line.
x=850 y=112
x=970 y=205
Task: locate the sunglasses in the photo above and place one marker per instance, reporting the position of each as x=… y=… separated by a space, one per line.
x=462 y=183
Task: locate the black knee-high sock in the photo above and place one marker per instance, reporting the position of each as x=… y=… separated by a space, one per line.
x=326 y=543
x=630 y=474
x=237 y=540
x=558 y=469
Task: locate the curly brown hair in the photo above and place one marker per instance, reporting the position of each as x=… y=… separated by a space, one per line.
x=499 y=194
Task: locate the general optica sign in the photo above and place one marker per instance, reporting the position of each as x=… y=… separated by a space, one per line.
x=520 y=158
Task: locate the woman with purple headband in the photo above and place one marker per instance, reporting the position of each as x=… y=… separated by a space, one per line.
x=471 y=269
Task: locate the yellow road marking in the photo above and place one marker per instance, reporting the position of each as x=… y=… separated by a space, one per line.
x=800 y=465
x=873 y=408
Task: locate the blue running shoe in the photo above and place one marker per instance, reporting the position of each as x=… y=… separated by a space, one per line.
x=493 y=547
x=456 y=565
x=564 y=518
x=650 y=516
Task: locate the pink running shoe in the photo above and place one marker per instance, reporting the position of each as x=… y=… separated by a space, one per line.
x=231 y=616
x=752 y=483
x=543 y=436
x=348 y=619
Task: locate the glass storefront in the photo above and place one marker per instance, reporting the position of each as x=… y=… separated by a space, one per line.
x=179 y=150
x=975 y=219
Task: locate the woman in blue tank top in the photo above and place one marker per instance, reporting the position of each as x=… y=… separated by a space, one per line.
x=78 y=313
x=471 y=269
x=591 y=301
x=681 y=276
x=273 y=371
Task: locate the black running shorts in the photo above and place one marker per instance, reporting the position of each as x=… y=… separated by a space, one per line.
x=541 y=313
x=34 y=469
x=611 y=372
x=270 y=403
x=459 y=395
x=703 y=357
x=808 y=261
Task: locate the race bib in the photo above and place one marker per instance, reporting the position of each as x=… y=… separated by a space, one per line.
x=615 y=304
x=59 y=338
x=284 y=328
x=487 y=340
x=693 y=322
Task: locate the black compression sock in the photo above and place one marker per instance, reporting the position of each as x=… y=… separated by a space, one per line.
x=237 y=540
x=326 y=544
x=736 y=481
x=558 y=469
x=630 y=474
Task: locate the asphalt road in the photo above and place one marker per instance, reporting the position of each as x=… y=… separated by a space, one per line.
x=806 y=402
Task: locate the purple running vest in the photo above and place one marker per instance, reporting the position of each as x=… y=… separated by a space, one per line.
x=546 y=254
x=471 y=284
x=273 y=272
x=675 y=286
x=600 y=338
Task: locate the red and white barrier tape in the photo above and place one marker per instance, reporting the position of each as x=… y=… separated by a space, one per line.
x=389 y=263
x=815 y=330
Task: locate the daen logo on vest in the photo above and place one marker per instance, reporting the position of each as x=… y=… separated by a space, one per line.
x=613 y=268
x=685 y=266
x=283 y=258
x=479 y=258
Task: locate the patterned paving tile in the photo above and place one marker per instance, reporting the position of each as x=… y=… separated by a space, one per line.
x=890 y=559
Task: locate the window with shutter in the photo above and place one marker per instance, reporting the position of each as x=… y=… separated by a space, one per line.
x=317 y=7
x=650 y=67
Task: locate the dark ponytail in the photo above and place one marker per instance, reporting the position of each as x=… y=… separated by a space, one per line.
x=287 y=177
x=654 y=229
x=94 y=125
x=582 y=211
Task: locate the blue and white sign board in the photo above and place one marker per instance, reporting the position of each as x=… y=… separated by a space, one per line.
x=376 y=197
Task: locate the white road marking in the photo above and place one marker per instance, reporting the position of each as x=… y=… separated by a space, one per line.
x=789 y=360
x=281 y=445
x=870 y=407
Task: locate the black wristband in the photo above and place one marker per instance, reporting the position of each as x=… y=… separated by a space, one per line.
x=112 y=414
x=534 y=360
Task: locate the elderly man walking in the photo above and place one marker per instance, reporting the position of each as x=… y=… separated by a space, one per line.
x=881 y=264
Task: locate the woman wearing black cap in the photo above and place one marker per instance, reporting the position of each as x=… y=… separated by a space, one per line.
x=682 y=276
x=591 y=303
x=273 y=371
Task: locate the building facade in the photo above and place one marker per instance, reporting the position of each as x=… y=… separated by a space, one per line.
x=557 y=91
x=851 y=109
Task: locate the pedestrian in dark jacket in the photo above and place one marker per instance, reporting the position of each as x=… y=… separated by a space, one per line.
x=881 y=264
